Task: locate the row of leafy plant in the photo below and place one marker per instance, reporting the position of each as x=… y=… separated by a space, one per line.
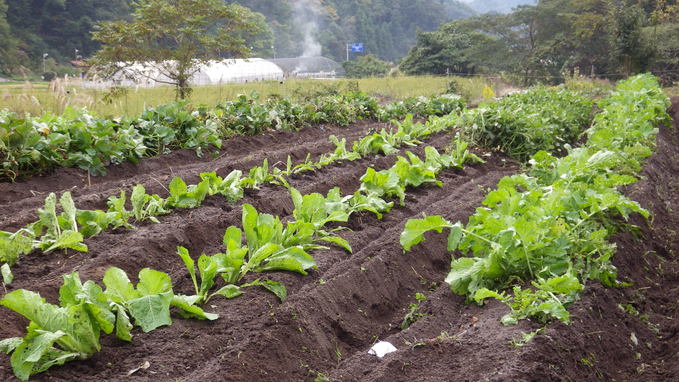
x=546 y=233
x=68 y=229
x=71 y=330
x=79 y=139
x=523 y=123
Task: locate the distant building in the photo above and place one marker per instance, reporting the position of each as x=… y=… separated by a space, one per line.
x=309 y=67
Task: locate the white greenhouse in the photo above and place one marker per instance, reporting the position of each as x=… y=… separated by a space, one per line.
x=221 y=72
x=214 y=73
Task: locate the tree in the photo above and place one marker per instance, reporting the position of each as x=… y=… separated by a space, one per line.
x=177 y=37
x=6 y=41
x=626 y=49
x=366 y=66
x=440 y=52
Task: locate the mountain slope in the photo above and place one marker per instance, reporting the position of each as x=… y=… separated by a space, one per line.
x=499 y=6
x=388 y=28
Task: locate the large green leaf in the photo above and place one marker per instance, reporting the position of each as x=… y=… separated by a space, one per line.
x=69 y=240
x=338 y=241
x=189 y=309
x=36 y=353
x=208 y=267
x=233 y=238
x=177 y=188
x=48 y=215
x=118 y=286
x=138 y=199
x=9 y=344
x=190 y=265
x=416 y=228
x=69 y=210
x=30 y=305
x=293 y=259
x=151 y=311
x=123 y=324
x=153 y=282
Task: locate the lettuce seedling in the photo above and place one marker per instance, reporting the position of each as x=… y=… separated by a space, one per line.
x=61 y=230
x=182 y=196
x=269 y=247
x=257 y=176
x=145 y=206
x=230 y=187
x=148 y=303
x=317 y=210
x=57 y=334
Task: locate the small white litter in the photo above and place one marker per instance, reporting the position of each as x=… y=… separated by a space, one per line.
x=382 y=348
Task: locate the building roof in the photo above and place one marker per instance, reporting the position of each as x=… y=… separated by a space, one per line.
x=309 y=65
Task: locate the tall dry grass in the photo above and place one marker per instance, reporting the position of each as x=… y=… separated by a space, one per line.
x=56 y=96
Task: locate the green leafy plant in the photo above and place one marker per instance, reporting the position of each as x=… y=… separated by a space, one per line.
x=340 y=153
x=61 y=230
x=551 y=226
x=268 y=247
x=71 y=330
x=57 y=334
x=547 y=302
x=183 y=196
x=258 y=176
x=145 y=206
x=230 y=187
x=524 y=123
x=13 y=245
x=317 y=210
x=7 y=276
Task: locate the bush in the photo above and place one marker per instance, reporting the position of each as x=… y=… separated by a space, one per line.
x=366 y=66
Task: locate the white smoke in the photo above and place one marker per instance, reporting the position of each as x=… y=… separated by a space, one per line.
x=306 y=15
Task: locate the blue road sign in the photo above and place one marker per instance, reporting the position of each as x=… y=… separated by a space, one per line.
x=357 y=47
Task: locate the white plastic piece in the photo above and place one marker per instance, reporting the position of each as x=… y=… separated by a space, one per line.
x=382 y=348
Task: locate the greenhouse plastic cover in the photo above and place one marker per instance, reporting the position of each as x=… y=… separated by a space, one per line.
x=214 y=73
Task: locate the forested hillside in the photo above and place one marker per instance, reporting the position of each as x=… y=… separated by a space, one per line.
x=54 y=27
x=498 y=6
x=31 y=28
x=386 y=27
x=606 y=38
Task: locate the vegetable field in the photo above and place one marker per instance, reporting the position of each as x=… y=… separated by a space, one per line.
x=530 y=238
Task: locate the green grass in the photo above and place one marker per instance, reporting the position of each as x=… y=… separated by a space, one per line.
x=38 y=98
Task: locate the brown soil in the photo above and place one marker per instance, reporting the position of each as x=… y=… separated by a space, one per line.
x=333 y=316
